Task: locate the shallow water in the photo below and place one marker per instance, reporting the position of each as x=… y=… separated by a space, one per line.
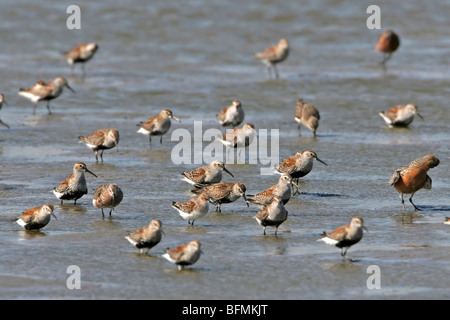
x=195 y=57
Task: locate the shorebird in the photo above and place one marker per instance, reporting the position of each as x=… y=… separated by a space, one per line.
x=282 y=189
x=345 y=236
x=42 y=91
x=298 y=165
x=410 y=179
x=184 y=255
x=101 y=140
x=447 y=220
x=223 y=192
x=2 y=101
x=400 y=116
x=387 y=43
x=273 y=55
x=273 y=214
x=147 y=237
x=157 y=125
x=193 y=209
x=239 y=137
x=232 y=115
x=206 y=175
x=81 y=54
x=36 y=218
x=74 y=187
x=107 y=196
x=308 y=115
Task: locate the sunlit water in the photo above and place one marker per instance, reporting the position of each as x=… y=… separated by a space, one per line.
x=195 y=57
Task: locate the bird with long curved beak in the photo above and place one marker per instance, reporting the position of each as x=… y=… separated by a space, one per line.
x=74 y=187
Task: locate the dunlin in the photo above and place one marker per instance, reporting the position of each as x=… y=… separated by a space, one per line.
x=2 y=101
x=308 y=115
x=206 y=175
x=81 y=54
x=447 y=220
x=410 y=179
x=387 y=44
x=239 y=137
x=74 y=187
x=184 y=255
x=36 y=218
x=223 y=192
x=346 y=236
x=193 y=209
x=147 y=237
x=42 y=91
x=298 y=165
x=101 y=140
x=400 y=116
x=157 y=125
x=107 y=196
x=273 y=55
x=282 y=189
x=273 y=214
x=232 y=115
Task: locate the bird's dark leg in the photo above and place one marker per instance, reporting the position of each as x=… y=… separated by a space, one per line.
x=415 y=207
x=403 y=201
x=276 y=71
x=34 y=108
x=103 y=214
x=386 y=57
x=48 y=107
x=101 y=155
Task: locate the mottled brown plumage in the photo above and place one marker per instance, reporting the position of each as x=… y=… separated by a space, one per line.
x=193 y=209
x=223 y=192
x=400 y=116
x=283 y=189
x=74 y=187
x=81 y=54
x=147 y=237
x=36 y=218
x=274 y=55
x=308 y=115
x=157 y=125
x=185 y=254
x=273 y=214
x=346 y=236
x=206 y=175
x=42 y=91
x=107 y=196
x=232 y=115
x=103 y=139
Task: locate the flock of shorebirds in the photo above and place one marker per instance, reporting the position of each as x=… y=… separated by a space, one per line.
x=206 y=180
